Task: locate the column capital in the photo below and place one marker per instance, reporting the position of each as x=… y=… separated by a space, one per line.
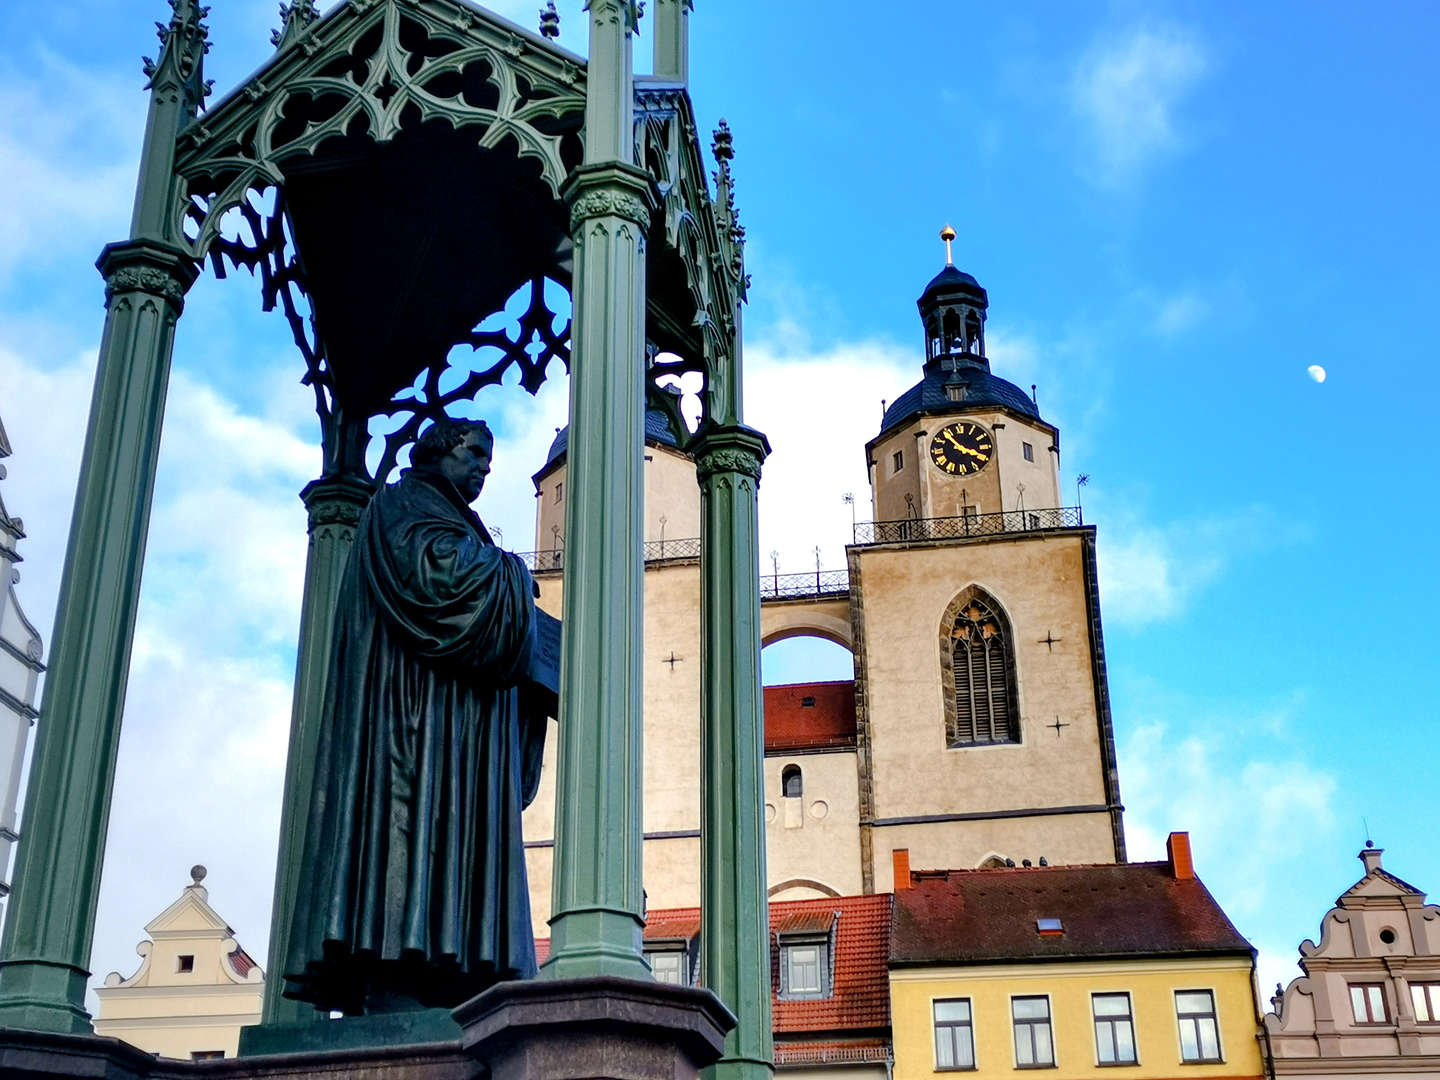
x=731 y=448
x=148 y=267
x=338 y=499
x=611 y=189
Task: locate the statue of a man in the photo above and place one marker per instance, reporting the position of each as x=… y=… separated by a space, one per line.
x=413 y=890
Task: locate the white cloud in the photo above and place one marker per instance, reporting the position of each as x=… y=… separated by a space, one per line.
x=1256 y=809
x=70 y=140
x=1152 y=571
x=1127 y=87
x=1179 y=313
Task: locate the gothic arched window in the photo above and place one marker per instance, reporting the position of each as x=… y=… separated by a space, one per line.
x=977 y=657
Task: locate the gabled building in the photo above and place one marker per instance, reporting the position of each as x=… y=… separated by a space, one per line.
x=20 y=669
x=1083 y=969
x=195 y=987
x=1368 y=1001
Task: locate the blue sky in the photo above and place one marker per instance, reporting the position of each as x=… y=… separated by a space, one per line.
x=1175 y=207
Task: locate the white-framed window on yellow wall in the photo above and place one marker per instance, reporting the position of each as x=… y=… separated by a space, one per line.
x=1114 y=1028
x=954 y=1034
x=1034 y=1037
x=1199 y=1027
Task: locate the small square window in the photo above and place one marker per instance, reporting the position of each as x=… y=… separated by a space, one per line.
x=1049 y=926
x=897 y=461
x=1425 y=996
x=185 y=962
x=668 y=966
x=802 y=969
x=1199 y=1026
x=807 y=702
x=559 y=490
x=1367 y=1000
x=1028 y=450
x=955 y=392
x=954 y=1035
x=1114 y=1029
x=1034 y=1040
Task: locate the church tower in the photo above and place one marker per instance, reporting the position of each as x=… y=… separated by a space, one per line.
x=983 y=715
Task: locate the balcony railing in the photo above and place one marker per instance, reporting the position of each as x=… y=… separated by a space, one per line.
x=950 y=528
x=812 y=583
x=687 y=547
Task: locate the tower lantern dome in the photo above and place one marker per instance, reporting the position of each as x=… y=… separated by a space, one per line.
x=952 y=310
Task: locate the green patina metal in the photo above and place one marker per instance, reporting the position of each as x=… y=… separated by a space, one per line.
x=571 y=172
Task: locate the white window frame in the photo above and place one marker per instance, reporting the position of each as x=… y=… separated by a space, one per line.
x=791 y=990
x=1179 y=1039
x=680 y=956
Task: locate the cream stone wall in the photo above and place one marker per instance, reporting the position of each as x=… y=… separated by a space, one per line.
x=177 y=1013
x=825 y=617
x=1039 y=582
x=671 y=492
x=816 y=837
x=991 y=490
x=959 y=845
x=672 y=744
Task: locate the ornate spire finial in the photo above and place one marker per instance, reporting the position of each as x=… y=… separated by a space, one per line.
x=184 y=41
x=948 y=234
x=723 y=145
x=549 y=21
x=295 y=18
x=197 y=874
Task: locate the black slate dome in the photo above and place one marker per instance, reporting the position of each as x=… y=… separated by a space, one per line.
x=957 y=373
x=953 y=279
x=657 y=430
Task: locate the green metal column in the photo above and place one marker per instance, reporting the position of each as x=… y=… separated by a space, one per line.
x=734 y=937
x=334 y=504
x=597 y=894
x=45 y=955
x=46 y=952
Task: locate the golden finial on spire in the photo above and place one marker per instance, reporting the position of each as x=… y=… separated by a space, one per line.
x=948 y=234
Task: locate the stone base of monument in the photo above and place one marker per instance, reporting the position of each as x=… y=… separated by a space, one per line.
x=541 y=1029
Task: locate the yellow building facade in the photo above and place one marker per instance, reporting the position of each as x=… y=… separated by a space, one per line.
x=1122 y=970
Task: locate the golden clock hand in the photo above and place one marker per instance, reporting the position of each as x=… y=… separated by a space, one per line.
x=953 y=441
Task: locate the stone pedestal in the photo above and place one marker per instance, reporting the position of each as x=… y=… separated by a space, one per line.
x=599 y=1028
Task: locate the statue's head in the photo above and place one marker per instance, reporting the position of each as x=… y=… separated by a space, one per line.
x=459 y=450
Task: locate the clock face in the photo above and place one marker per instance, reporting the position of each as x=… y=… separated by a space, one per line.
x=962 y=448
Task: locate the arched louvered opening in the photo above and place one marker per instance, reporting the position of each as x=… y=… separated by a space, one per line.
x=792 y=785
x=981 y=706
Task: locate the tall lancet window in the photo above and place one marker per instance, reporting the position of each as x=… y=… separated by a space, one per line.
x=977 y=656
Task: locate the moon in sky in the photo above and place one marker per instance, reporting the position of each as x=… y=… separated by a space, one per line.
x=1316 y=372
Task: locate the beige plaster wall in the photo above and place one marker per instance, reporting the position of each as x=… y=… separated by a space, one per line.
x=958 y=845
x=1041 y=476
x=824 y=617
x=671 y=492
x=1039 y=583
x=817 y=836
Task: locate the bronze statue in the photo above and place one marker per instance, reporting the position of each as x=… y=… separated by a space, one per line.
x=413 y=890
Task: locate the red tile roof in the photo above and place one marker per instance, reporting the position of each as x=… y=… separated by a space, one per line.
x=860 y=997
x=1129 y=909
x=241 y=962
x=828 y=721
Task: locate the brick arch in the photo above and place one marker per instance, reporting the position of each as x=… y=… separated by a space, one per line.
x=802 y=883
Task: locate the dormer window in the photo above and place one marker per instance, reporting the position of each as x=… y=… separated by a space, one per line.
x=669 y=964
x=1048 y=927
x=805 y=968
x=955 y=392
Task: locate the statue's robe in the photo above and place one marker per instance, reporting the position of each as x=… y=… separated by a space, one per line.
x=413 y=882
